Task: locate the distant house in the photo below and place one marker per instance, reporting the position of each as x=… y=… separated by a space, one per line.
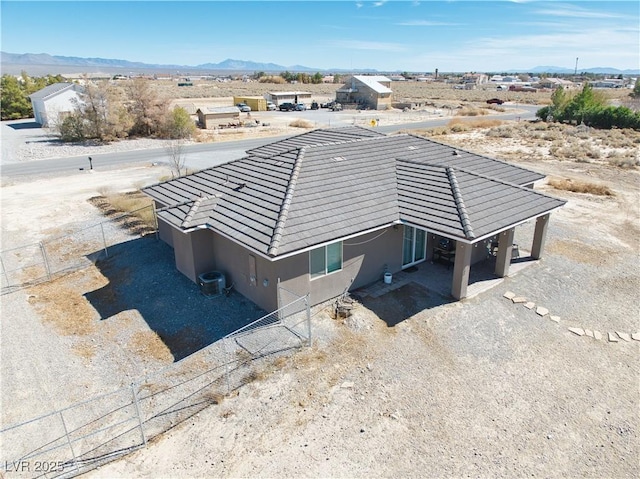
x=211 y=117
x=54 y=102
x=335 y=209
x=279 y=97
x=554 y=83
x=474 y=78
x=372 y=92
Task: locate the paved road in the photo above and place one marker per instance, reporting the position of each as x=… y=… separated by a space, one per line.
x=204 y=155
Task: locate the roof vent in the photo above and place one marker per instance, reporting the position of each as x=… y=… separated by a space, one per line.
x=338 y=158
x=240 y=186
x=412 y=147
x=455 y=153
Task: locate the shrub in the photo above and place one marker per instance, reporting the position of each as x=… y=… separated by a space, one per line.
x=72 y=128
x=580 y=187
x=301 y=124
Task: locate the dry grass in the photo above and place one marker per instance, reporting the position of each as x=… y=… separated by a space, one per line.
x=139 y=206
x=301 y=124
x=470 y=111
x=459 y=125
x=85 y=350
x=580 y=187
x=148 y=344
x=61 y=305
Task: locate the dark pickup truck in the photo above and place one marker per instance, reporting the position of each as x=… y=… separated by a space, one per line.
x=287 y=107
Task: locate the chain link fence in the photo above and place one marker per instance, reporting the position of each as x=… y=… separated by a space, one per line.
x=79 y=438
x=42 y=261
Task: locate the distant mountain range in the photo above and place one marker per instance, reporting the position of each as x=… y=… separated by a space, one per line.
x=561 y=70
x=40 y=60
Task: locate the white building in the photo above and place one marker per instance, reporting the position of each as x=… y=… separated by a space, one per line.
x=53 y=102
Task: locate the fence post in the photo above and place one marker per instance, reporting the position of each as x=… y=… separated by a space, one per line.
x=155 y=219
x=137 y=405
x=306 y=300
x=226 y=366
x=4 y=271
x=45 y=259
x=66 y=433
x=104 y=240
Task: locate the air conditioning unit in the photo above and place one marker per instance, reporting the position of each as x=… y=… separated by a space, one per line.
x=212 y=283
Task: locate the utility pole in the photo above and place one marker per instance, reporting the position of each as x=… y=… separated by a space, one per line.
x=575 y=72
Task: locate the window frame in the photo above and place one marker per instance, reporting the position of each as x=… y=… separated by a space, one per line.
x=316 y=275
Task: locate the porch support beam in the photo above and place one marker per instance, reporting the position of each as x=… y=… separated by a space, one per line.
x=539 y=236
x=505 y=248
x=461 y=267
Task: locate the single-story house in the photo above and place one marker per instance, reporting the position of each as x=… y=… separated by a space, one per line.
x=335 y=209
x=370 y=91
x=554 y=83
x=211 y=117
x=279 y=97
x=53 y=102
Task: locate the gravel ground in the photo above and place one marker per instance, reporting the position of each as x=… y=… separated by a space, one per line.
x=24 y=140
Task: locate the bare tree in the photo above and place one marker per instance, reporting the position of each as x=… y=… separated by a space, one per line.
x=147 y=109
x=175 y=152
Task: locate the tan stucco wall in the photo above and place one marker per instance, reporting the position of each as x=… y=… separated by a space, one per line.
x=193 y=252
x=362 y=264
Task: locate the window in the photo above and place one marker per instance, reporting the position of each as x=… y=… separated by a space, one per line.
x=325 y=260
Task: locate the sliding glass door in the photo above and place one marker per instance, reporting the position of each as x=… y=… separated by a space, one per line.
x=414 y=245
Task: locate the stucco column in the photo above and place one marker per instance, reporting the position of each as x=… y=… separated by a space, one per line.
x=503 y=257
x=539 y=236
x=461 y=267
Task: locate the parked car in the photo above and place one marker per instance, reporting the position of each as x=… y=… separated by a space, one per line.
x=244 y=108
x=336 y=107
x=314 y=105
x=271 y=106
x=301 y=107
x=496 y=101
x=287 y=107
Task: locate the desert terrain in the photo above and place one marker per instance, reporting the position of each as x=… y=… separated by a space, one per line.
x=412 y=384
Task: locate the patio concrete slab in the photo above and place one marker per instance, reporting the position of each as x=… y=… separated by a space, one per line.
x=509 y=295
x=612 y=337
x=554 y=318
x=578 y=331
x=438 y=278
x=597 y=335
x=529 y=305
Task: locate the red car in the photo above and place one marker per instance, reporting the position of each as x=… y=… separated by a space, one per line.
x=497 y=101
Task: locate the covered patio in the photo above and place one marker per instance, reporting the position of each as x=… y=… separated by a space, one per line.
x=494 y=258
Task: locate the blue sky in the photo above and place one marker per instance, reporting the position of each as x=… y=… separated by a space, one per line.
x=416 y=36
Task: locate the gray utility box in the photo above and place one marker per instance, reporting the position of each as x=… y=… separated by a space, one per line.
x=212 y=283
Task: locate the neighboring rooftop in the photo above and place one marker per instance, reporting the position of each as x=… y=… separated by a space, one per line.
x=51 y=90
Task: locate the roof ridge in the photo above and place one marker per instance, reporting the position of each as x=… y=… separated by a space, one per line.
x=462 y=209
x=332 y=143
x=194 y=208
x=284 y=209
